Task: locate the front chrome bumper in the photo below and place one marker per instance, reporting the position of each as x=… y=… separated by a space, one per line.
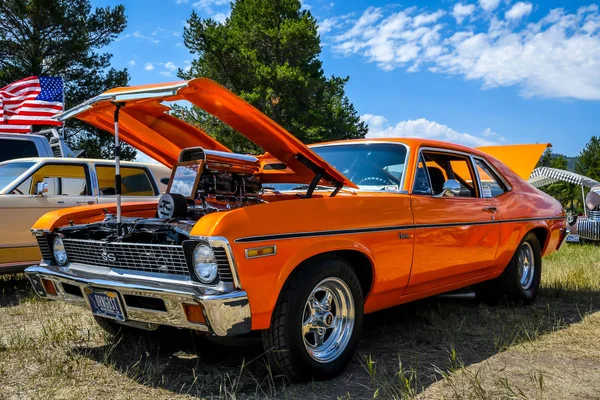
x=226 y=314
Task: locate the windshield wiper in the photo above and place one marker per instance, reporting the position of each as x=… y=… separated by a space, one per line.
x=321 y=187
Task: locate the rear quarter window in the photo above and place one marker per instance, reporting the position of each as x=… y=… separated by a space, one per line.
x=11 y=149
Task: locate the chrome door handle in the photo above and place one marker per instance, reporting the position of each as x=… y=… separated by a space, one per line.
x=89 y=202
x=490 y=209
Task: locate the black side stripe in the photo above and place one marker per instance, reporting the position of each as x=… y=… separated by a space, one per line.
x=295 y=235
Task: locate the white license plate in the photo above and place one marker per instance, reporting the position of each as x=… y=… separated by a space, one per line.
x=105 y=303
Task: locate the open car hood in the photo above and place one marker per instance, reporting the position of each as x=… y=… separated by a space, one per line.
x=144 y=123
x=521 y=158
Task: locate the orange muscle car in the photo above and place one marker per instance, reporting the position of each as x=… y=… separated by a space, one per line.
x=298 y=243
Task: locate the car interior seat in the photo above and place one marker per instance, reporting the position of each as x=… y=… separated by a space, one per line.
x=437 y=179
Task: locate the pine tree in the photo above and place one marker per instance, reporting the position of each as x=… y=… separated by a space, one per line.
x=267 y=52
x=589 y=159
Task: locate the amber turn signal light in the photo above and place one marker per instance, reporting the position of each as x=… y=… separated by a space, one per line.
x=49 y=287
x=194 y=313
x=261 y=252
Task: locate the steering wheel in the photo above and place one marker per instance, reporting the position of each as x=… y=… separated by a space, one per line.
x=16 y=190
x=376 y=179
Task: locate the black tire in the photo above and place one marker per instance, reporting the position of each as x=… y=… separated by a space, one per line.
x=284 y=342
x=508 y=285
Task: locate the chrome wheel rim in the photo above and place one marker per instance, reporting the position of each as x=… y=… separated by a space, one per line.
x=328 y=320
x=526 y=266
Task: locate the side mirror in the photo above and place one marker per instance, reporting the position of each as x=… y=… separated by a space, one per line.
x=451 y=188
x=41 y=188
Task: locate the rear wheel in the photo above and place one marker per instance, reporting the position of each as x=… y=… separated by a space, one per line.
x=520 y=281
x=317 y=321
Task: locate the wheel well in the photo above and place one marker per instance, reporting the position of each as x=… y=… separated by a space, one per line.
x=357 y=260
x=541 y=234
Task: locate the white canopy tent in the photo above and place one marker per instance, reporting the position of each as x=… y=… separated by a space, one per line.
x=545 y=176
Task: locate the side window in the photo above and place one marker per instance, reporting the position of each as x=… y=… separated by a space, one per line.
x=442 y=166
x=134 y=181
x=62 y=179
x=491 y=185
x=422 y=184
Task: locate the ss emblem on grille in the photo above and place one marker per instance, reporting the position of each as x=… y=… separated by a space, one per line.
x=106 y=256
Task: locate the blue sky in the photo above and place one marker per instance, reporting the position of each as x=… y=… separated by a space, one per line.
x=472 y=71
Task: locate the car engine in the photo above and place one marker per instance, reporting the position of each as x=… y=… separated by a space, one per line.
x=202 y=182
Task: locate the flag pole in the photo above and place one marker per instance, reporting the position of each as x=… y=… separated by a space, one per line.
x=64 y=129
x=118 y=168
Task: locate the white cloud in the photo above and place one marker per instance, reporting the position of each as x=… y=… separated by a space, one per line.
x=209 y=3
x=327 y=25
x=181 y=1
x=425 y=19
x=422 y=128
x=131 y=63
x=518 y=11
x=149 y=67
x=461 y=11
x=304 y=5
x=220 y=17
x=169 y=68
x=139 y=35
x=489 y=5
x=557 y=56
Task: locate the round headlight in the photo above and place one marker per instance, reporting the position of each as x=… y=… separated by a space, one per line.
x=58 y=249
x=205 y=263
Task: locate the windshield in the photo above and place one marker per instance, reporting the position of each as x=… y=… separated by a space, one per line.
x=371 y=166
x=11 y=171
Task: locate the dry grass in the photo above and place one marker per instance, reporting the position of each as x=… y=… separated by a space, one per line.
x=429 y=349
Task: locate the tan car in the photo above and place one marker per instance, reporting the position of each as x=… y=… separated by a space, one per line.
x=31 y=187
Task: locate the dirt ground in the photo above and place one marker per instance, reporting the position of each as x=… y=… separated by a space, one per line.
x=428 y=350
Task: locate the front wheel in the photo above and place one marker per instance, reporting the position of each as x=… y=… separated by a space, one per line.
x=317 y=321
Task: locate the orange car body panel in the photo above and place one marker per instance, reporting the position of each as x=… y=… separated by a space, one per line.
x=417 y=246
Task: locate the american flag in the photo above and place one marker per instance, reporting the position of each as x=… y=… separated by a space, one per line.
x=30 y=101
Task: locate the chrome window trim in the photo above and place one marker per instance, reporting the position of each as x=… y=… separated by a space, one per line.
x=443 y=150
x=479 y=185
x=401 y=189
x=495 y=171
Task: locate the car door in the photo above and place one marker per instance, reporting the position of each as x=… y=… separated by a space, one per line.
x=456 y=237
x=68 y=186
x=137 y=184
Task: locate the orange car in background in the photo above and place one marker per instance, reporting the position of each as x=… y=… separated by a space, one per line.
x=298 y=243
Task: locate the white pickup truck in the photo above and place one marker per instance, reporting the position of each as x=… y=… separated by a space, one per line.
x=48 y=143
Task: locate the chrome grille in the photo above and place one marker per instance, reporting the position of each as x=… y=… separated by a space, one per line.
x=133 y=256
x=44 y=246
x=588 y=229
x=594 y=215
x=223 y=264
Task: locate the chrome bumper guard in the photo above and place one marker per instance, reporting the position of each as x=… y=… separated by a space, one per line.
x=226 y=314
x=588 y=228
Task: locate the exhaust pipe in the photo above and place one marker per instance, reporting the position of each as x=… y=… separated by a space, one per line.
x=464 y=295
